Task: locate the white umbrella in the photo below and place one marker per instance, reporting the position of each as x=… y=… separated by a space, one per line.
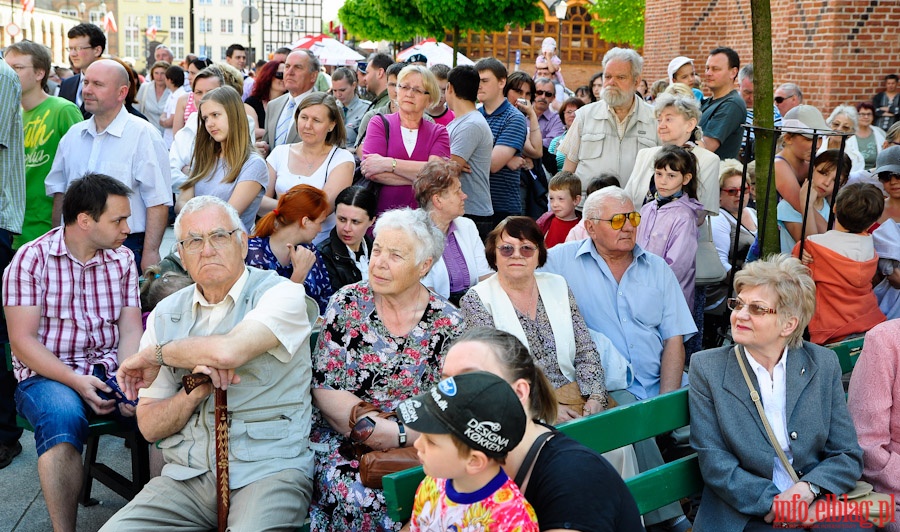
x=329 y=51
x=436 y=52
x=368 y=45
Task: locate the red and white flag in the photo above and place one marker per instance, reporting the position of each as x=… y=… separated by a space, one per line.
x=28 y=6
x=109 y=22
x=151 y=33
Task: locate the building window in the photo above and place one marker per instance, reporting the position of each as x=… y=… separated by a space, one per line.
x=176 y=36
x=205 y=2
x=154 y=21
x=69 y=12
x=227 y=25
x=206 y=26
x=133 y=36
x=205 y=50
x=96 y=17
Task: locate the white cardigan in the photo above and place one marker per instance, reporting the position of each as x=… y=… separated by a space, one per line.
x=438 y=279
x=707 y=186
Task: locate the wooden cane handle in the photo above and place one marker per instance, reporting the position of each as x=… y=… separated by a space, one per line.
x=194 y=380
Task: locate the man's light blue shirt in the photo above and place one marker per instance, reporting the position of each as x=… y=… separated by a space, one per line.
x=637 y=314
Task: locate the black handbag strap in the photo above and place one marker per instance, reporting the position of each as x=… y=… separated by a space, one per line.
x=524 y=473
x=387 y=132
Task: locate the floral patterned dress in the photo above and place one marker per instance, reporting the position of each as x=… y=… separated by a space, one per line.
x=317 y=283
x=357 y=353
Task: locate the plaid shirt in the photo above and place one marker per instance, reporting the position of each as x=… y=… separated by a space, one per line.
x=12 y=152
x=80 y=303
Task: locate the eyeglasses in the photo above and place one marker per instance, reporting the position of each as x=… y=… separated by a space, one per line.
x=279 y=75
x=781 y=99
x=735 y=191
x=737 y=305
x=886 y=177
x=865 y=114
x=508 y=250
x=618 y=220
x=76 y=49
x=217 y=239
x=544 y=93
x=415 y=90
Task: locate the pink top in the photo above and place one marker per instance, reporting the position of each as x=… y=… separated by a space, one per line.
x=189 y=107
x=80 y=303
x=432 y=139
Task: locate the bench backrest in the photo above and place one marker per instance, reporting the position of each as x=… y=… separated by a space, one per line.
x=603 y=432
x=847 y=352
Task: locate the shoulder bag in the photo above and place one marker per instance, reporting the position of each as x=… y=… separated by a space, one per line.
x=374 y=465
x=861 y=500
x=359 y=180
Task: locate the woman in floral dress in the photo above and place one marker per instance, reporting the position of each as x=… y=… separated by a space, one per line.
x=383 y=341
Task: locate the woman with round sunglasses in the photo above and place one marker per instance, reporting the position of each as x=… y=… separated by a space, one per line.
x=268 y=85
x=746 y=485
x=734 y=217
x=539 y=309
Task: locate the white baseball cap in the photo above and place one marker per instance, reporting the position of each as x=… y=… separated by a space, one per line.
x=677 y=63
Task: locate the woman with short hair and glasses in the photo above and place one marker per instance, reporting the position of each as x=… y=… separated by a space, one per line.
x=746 y=485
x=869 y=139
x=398 y=145
x=540 y=310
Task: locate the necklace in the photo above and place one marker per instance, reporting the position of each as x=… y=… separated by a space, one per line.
x=310 y=163
x=525 y=306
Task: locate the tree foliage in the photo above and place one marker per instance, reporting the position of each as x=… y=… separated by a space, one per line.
x=366 y=19
x=619 y=21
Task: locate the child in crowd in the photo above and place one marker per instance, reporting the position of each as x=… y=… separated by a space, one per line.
x=467 y=425
x=602 y=181
x=565 y=195
x=157 y=285
x=669 y=223
x=817 y=194
x=843 y=263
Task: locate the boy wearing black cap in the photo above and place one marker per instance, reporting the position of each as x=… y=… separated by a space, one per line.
x=468 y=425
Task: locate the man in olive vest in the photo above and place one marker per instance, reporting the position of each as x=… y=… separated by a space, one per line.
x=249 y=330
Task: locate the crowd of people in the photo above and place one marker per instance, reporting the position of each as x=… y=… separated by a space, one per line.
x=482 y=253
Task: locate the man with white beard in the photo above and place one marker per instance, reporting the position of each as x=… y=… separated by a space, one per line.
x=608 y=133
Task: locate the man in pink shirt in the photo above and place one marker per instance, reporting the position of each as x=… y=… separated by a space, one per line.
x=73 y=309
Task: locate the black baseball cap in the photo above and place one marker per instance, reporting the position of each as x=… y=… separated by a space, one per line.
x=479 y=408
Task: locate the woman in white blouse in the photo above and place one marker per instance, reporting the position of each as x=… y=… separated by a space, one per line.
x=318 y=160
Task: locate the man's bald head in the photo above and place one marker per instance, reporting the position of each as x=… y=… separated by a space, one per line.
x=106 y=85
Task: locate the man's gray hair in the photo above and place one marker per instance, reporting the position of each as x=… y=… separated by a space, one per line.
x=427 y=238
x=792 y=88
x=198 y=203
x=745 y=72
x=592 y=204
x=847 y=110
x=626 y=54
x=314 y=64
x=543 y=80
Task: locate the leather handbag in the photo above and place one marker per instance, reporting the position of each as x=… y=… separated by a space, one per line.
x=373 y=464
x=709 y=267
x=878 y=508
x=570 y=395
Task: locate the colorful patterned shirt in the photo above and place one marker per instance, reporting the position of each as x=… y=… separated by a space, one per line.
x=498 y=506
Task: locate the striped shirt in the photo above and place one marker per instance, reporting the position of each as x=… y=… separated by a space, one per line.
x=80 y=303
x=12 y=152
x=509 y=128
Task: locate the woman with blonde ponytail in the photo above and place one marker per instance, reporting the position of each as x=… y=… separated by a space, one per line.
x=283 y=241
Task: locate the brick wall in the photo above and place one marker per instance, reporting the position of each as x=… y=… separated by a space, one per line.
x=838 y=51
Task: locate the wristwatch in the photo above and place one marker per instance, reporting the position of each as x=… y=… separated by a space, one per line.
x=402 y=434
x=816 y=490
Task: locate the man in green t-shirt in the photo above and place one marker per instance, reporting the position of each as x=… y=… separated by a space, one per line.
x=45 y=120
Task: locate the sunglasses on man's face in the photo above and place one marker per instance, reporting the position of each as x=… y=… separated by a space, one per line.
x=780 y=99
x=618 y=220
x=544 y=93
x=886 y=177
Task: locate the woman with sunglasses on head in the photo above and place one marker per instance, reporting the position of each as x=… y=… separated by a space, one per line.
x=224 y=163
x=539 y=309
x=748 y=487
x=398 y=145
x=268 y=85
x=724 y=227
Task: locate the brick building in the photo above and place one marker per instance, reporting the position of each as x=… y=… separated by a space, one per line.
x=837 y=52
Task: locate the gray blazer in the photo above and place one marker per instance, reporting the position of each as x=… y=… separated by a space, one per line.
x=736 y=458
x=273 y=113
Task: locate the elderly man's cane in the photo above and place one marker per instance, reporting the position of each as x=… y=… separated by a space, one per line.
x=223 y=491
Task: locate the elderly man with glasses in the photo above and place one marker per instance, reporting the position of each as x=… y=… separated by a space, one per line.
x=634 y=299
x=248 y=330
x=787 y=96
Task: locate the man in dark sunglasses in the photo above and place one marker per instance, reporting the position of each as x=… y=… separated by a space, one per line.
x=549 y=122
x=787 y=96
x=633 y=298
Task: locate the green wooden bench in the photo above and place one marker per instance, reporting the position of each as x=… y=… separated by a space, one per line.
x=603 y=432
x=848 y=352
